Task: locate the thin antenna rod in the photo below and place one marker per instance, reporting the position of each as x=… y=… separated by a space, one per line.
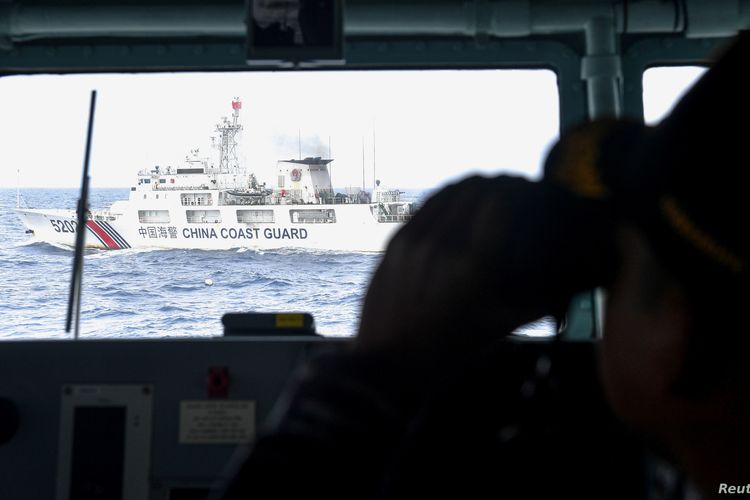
x=363 y=163
x=74 y=300
x=374 y=178
x=330 y=166
x=18 y=188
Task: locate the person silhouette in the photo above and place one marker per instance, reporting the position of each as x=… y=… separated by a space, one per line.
x=420 y=403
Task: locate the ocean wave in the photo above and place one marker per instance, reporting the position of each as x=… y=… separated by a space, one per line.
x=37 y=244
x=121 y=293
x=169 y=308
x=317 y=252
x=60 y=246
x=121 y=253
x=260 y=283
x=252 y=250
x=24 y=263
x=110 y=313
x=24 y=243
x=173 y=287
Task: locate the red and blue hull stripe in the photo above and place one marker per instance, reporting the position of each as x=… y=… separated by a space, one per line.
x=107 y=235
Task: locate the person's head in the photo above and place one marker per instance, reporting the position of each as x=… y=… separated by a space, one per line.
x=675 y=337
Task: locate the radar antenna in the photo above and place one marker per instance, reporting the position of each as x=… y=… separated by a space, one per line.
x=226 y=142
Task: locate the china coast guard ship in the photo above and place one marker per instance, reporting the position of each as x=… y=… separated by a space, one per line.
x=202 y=205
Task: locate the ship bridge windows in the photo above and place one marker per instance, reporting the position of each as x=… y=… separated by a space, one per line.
x=313 y=216
x=196 y=199
x=203 y=216
x=153 y=216
x=255 y=216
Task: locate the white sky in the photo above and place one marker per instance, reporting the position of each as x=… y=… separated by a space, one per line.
x=430 y=126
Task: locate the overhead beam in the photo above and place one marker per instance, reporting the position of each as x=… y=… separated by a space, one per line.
x=499 y=18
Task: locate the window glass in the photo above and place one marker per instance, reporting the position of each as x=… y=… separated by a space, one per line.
x=256 y=216
x=172 y=265
x=664 y=86
x=313 y=216
x=203 y=216
x=147 y=216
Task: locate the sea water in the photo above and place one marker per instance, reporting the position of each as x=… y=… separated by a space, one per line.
x=171 y=293
x=164 y=293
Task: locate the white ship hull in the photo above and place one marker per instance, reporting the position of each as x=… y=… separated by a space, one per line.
x=355 y=229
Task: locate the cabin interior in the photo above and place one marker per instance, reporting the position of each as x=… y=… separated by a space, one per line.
x=192 y=403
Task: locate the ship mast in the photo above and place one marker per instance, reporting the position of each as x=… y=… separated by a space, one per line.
x=226 y=142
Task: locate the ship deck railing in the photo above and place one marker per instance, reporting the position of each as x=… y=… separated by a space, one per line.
x=314 y=221
x=203 y=220
x=104 y=215
x=395 y=218
x=166 y=187
x=275 y=201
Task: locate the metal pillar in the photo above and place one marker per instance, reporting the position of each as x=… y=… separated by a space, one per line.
x=601 y=69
